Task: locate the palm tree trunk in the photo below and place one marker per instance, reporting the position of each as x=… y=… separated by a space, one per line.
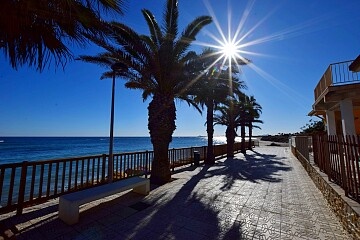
x=210 y=159
x=230 y=140
x=162 y=115
x=243 y=150
x=250 y=135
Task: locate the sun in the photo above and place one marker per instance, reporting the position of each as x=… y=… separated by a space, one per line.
x=230 y=49
x=230 y=45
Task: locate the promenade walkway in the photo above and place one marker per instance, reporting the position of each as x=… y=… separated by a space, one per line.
x=265 y=194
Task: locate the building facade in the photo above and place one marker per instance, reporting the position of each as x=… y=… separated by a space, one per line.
x=337 y=98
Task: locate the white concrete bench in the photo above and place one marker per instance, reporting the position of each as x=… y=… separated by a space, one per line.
x=69 y=203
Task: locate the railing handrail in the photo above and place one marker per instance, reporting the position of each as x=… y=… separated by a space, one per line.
x=336 y=74
x=54 y=160
x=348 y=61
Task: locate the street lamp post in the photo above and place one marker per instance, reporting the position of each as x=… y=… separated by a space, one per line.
x=116 y=67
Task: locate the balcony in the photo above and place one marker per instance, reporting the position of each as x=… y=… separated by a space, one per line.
x=337 y=83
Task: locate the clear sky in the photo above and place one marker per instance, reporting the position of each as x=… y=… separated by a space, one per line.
x=290 y=44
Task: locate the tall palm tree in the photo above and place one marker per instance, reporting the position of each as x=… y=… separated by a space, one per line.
x=34 y=32
x=254 y=110
x=213 y=86
x=156 y=65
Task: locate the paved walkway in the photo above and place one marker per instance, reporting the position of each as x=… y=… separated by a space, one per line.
x=263 y=195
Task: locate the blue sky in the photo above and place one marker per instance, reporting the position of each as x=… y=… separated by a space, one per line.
x=290 y=43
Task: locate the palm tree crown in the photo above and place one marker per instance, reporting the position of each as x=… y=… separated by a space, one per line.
x=156 y=65
x=35 y=31
x=230 y=114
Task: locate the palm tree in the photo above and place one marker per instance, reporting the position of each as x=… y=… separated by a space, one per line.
x=213 y=86
x=254 y=110
x=241 y=106
x=239 y=111
x=249 y=113
x=156 y=65
x=228 y=116
x=34 y=32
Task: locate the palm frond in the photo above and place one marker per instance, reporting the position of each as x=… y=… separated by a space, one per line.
x=101 y=59
x=171 y=16
x=39 y=32
x=155 y=31
x=188 y=35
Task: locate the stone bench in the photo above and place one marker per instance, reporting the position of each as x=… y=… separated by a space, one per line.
x=69 y=204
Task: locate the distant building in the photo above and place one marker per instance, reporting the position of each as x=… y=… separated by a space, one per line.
x=337 y=98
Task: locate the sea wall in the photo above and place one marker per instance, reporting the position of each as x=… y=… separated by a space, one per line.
x=347 y=210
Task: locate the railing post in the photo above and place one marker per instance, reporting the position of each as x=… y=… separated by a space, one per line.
x=315 y=149
x=205 y=151
x=327 y=157
x=173 y=154
x=103 y=167
x=146 y=162
x=322 y=153
x=306 y=148
x=21 y=197
x=341 y=146
x=191 y=155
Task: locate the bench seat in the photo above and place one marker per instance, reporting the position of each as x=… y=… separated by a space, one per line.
x=69 y=204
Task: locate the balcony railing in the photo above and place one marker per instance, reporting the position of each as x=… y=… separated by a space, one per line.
x=336 y=74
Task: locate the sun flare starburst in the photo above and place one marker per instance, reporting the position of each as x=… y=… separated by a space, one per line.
x=229 y=49
x=232 y=45
x=229 y=46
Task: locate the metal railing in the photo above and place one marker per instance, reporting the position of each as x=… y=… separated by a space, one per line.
x=28 y=183
x=336 y=74
x=337 y=156
x=303 y=146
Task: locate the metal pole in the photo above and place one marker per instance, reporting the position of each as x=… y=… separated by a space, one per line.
x=111 y=160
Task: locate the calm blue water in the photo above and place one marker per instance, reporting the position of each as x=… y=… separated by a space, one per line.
x=18 y=149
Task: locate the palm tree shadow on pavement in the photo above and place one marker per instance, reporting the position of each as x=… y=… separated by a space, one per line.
x=201 y=208
x=253 y=167
x=180 y=215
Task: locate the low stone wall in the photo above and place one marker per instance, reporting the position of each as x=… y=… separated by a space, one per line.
x=347 y=210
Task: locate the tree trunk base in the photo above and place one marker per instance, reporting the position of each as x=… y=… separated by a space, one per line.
x=159 y=181
x=160 y=172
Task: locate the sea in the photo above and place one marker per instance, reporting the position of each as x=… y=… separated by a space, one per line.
x=19 y=149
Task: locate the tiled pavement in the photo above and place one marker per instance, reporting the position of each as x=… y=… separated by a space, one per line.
x=263 y=195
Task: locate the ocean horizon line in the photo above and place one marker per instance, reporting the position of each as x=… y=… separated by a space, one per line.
x=116 y=136
x=101 y=136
